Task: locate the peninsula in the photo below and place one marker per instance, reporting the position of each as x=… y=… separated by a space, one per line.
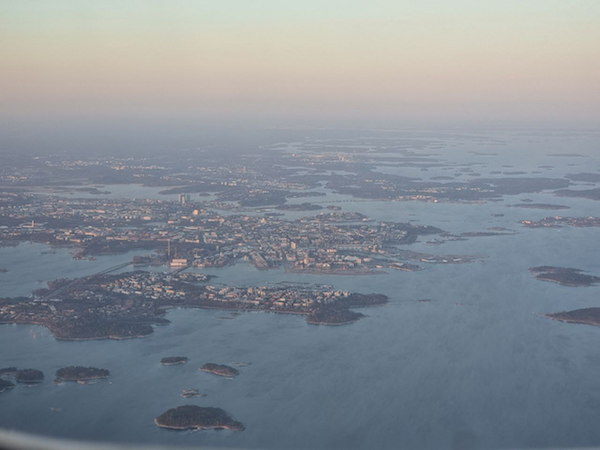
x=586 y=316
x=126 y=305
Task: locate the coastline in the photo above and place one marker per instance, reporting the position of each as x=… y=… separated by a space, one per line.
x=199 y=427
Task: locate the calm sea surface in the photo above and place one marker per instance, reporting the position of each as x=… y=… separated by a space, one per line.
x=476 y=367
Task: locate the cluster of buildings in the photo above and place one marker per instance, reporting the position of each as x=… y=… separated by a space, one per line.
x=185 y=234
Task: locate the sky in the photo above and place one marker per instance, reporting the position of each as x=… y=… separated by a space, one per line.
x=522 y=62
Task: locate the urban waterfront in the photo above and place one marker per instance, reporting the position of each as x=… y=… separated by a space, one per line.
x=460 y=354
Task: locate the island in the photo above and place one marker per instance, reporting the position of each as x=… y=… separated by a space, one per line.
x=80 y=374
x=558 y=221
x=189 y=393
x=547 y=206
x=173 y=360
x=568 y=155
x=484 y=234
x=29 y=376
x=300 y=207
x=219 y=369
x=190 y=417
x=585 y=177
x=12 y=371
x=565 y=276
x=591 y=194
x=586 y=316
x=5 y=384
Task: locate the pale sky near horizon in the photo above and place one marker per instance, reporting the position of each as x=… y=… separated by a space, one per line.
x=523 y=61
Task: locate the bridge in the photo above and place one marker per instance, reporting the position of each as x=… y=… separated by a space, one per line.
x=178 y=271
x=80 y=280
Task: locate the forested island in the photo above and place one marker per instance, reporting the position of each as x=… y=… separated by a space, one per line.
x=586 y=316
x=29 y=376
x=173 y=360
x=299 y=207
x=190 y=417
x=333 y=316
x=80 y=374
x=219 y=369
x=564 y=276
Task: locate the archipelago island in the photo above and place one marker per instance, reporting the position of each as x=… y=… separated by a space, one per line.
x=219 y=369
x=173 y=360
x=24 y=376
x=80 y=374
x=565 y=276
x=191 y=417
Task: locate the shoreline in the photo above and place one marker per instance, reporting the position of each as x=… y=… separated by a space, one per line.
x=220 y=427
x=571 y=321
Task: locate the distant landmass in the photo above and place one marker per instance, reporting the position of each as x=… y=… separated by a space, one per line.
x=584 y=176
x=547 y=206
x=591 y=194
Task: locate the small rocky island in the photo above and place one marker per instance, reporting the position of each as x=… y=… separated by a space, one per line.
x=564 y=276
x=191 y=392
x=190 y=417
x=173 y=360
x=80 y=374
x=219 y=369
x=5 y=384
x=586 y=316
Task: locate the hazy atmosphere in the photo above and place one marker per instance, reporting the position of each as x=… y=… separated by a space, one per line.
x=300 y=225
x=534 y=62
